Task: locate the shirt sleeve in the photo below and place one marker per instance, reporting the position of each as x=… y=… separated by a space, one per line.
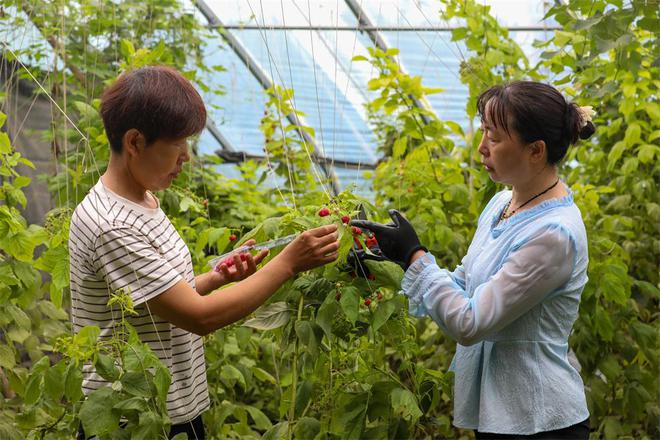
x=530 y=272
x=128 y=261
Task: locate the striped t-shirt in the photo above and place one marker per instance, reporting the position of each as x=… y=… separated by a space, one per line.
x=114 y=245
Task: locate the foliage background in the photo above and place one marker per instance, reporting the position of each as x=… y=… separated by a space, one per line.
x=316 y=361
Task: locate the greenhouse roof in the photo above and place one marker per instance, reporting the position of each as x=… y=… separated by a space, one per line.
x=308 y=46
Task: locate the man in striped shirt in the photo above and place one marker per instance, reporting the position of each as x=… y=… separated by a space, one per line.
x=120 y=239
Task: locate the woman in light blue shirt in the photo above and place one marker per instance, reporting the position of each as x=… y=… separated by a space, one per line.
x=512 y=302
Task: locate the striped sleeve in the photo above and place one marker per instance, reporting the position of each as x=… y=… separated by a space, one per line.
x=128 y=261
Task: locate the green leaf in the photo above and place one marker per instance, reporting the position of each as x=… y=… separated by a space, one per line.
x=399 y=147
x=19 y=316
x=306 y=428
x=615 y=154
x=310 y=335
x=126 y=48
x=261 y=422
x=405 y=405
x=218 y=236
x=263 y=375
x=73 y=383
x=350 y=303
x=277 y=432
x=87 y=336
x=21 y=181
x=351 y=414
x=303 y=395
x=185 y=204
x=231 y=375
x=326 y=315
x=7 y=357
x=633 y=134
x=647 y=153
x=136 y=384
x=54 y=381
x=162 y=381
x=387 y=274
x=86 y=111
x=96 y=413
x=7 y=276
x=382 y=314
x=5 y=144
x=33 y=388
x=150 y=427
x=132 y=404
x=270 y=317
x=106 y=368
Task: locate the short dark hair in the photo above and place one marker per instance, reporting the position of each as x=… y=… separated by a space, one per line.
x=156 y=100
x=535 y=111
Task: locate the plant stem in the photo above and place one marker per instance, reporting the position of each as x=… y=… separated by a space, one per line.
x=294 y=372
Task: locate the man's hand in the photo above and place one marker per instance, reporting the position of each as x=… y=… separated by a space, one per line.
x=398 y=240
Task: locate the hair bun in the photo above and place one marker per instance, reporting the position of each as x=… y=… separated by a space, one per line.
x=587 y=130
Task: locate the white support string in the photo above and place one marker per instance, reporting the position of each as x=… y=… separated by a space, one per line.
x=292 y=102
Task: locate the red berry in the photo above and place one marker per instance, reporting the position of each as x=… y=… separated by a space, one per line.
x=232 y=237
x=229 y=261
x=367 y=302
x=371 y=277
x=338 y=296
x=345 y=219
x=205 y=202
x=380 y=296
x=243 y=257
x=371 y=242
x=324 y=212
x=410 y=190
x=356 y=230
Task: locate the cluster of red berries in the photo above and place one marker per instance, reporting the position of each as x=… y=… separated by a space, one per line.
x=367 y=301
x=229 y=261
x=324 y=212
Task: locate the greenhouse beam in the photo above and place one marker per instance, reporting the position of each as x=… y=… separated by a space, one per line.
x=377 y=39
x=361 y=28
x=218 y=136
x=241 y=156
x=267 y=83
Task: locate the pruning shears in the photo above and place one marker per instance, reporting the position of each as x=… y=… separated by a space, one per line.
x=358 y=254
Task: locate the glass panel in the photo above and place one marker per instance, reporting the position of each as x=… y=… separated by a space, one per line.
x=307 y=62
x=280 y=12
x=425 y=13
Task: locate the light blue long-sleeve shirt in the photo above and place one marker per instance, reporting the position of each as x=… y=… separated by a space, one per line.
x=511 y=305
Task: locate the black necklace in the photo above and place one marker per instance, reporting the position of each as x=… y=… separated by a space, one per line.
x=504 y=214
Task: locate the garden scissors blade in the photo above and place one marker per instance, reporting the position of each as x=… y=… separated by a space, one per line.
x=257 y=246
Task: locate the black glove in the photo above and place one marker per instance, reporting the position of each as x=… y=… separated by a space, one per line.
x=398 y=240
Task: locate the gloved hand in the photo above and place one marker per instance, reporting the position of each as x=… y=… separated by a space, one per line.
x=398 y=240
